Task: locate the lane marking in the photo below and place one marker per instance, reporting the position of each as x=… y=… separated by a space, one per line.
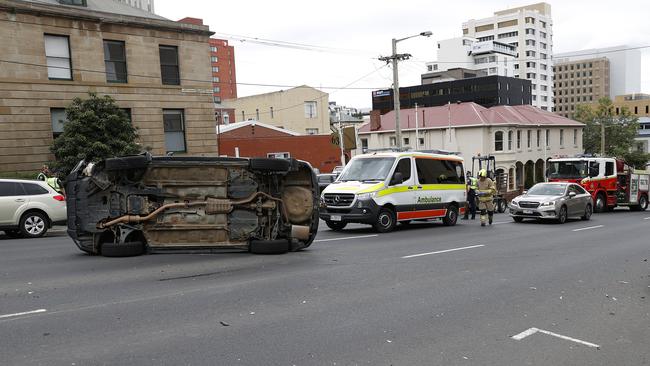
x=502 y=222
x=23 y=313
x=347 y=238
x=588 y=228
x=442 y=251
x=647 y=218
x=532 y=331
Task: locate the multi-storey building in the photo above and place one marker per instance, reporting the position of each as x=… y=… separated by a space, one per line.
x=530 y=29
x=487 y=91
x=638 y=105
x=486 y=57
x=450 y=75
x=580 y=82
x=156 y=69
x=302 y=109
x=146 y=5
x=624 y=66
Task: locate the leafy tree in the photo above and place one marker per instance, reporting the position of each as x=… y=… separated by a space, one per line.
x=620 y=131
x=96 y=129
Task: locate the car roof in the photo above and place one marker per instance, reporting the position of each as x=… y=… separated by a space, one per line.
x=410 y=153
x=40 y=182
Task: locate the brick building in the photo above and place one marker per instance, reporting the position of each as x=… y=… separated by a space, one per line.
x=256 y=139
x=153 y=67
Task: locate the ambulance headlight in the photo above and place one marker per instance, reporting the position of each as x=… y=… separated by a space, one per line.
x=365 y=196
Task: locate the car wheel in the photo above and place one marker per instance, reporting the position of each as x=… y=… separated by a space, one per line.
x=643 y=204
x=128 y=249
x=502 y=206
x=518 y=219
x=33 y=224
x=588 y=212
x=601 y=203
x=561 y=218
x=268 y=246
x=385 y=221
x=335 y=225
x=451 y=217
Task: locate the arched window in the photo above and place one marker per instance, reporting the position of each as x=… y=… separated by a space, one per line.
x=510 y=140
x=498 y=141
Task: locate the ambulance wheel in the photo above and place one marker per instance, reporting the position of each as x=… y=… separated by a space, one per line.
x=451 y=217
x=385 y=221
x=336 y=225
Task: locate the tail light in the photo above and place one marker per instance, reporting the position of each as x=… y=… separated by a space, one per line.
x=59 y=197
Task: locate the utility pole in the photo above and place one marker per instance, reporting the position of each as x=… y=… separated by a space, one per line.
x=394 y=58
x=602 y=138
x=341 y=139
x=417 y=135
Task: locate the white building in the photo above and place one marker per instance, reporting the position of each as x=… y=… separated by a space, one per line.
x=491 y=57
x=146 y=5
x=624 y=66
x=520 y=137
x=530 y=29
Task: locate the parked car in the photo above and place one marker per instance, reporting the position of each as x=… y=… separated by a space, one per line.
x=556 y=201
x=28 y=208
x=130 y=205
x=338 y=169
x=324 y=180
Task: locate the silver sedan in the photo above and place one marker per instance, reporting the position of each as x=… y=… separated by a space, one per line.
x=556 y=201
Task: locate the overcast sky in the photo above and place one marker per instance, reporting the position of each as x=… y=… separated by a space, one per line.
x=352 y=34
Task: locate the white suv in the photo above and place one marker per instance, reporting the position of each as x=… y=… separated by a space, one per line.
x=29 y=208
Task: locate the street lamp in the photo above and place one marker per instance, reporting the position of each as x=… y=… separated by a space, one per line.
x=394 y=58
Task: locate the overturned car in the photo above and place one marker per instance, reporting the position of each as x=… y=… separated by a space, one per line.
x=139 y=204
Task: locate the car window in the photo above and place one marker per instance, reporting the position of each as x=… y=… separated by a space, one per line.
x=404 y=167
x=32 y=189
x=579 y=190
x=609 y=168
x=435 y=171
x=10 y=189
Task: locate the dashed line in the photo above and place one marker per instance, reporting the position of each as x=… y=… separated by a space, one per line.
x=647 y=218
x=347 y=238
x=442 y=251
x=23 y=313
x=588 y=228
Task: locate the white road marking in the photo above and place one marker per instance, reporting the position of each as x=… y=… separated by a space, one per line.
x=532 y=331
x=502 y=222
x=647 y=218
x=589 y=228
x=347 y=238
x=442 y=251
x=23 y=313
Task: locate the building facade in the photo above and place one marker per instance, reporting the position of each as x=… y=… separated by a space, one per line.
x=487 y=57
x=153 y=67
x=638 y=105
x=521 y=137
x=624 y=66
x=146 y=5
x=580 y=82
x=256 y=139
x=302 y=109
x=486 y=91
x=530 y=29
x=450 y=75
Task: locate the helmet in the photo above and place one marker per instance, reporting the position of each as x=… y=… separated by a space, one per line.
x=482 y=173
x=469 y=173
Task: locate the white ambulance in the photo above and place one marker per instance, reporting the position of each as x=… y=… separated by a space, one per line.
x=382 y=189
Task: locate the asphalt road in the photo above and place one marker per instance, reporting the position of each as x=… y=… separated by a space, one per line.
x=353 y=298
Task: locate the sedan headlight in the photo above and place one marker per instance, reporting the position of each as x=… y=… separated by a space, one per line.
x=365 y=196
x=514 y=203
x=547 y=204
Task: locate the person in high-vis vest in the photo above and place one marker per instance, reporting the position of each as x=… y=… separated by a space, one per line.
x=472 y=186
x=486 y=191
x=53 y=182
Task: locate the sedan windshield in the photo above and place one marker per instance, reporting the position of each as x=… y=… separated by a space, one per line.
x=547 y=190
x=367 y=169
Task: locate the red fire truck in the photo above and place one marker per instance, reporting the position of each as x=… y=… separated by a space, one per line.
x=610 y=181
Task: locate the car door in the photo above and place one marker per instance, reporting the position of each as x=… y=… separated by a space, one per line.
x=583 y=198
x=11 y=199
x=574 y=204
x=403 y=194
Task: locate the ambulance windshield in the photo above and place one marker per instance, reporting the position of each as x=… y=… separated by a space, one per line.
x=367 y=169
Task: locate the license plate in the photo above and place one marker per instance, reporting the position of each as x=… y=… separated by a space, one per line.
x=335 y=218
x=528 y=212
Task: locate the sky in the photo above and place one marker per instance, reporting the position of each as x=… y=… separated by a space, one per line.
x=335 y=44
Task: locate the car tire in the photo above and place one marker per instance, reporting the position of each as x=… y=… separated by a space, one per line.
x=642 y=206
x=501 y=206
x=518 y=219
x=588 y=212
x=268 y=246
x=451 y=217
x=13 y=234
x=385 y=221
x=601 y=203
x=128 y=249
x=335 y=225
x=127 y=162
x=34 y=224
x=268 y=165
x=562 y=216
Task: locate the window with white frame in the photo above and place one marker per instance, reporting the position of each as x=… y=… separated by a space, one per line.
x=510 y=140
x=311 y=110
x=312 y=131
x=174 y=126
x=57 y=55
x=498 y=141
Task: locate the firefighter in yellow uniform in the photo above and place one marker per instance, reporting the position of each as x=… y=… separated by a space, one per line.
x=485 y=192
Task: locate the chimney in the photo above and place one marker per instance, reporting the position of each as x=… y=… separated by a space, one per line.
x=375 y=120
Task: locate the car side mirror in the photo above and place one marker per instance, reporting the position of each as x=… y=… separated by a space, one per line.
x=572 y=194
x=398 y=178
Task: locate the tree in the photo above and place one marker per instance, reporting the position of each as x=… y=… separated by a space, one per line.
x=96 y=128
x=620 y=130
